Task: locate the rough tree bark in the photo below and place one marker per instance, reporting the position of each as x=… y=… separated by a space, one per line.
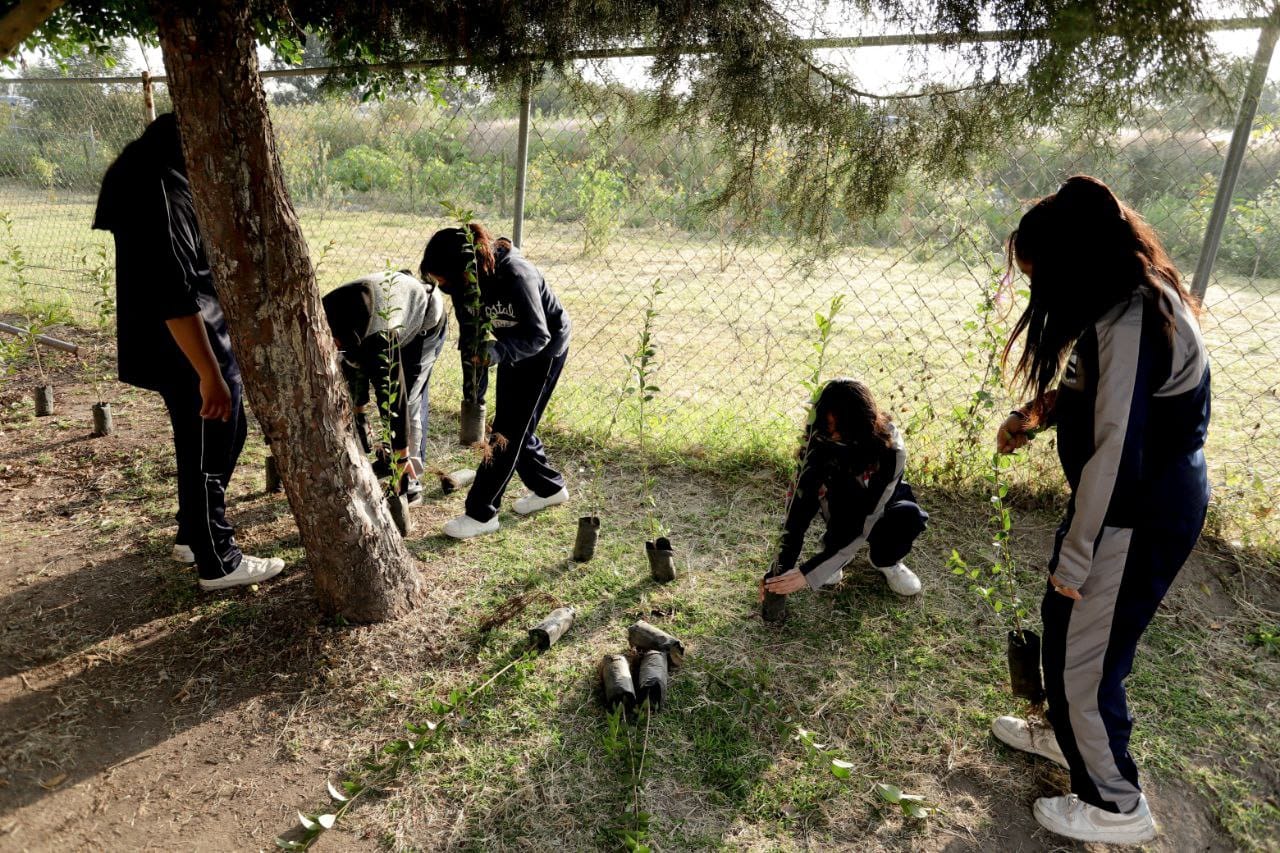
x=21 y=21
x=268 y=290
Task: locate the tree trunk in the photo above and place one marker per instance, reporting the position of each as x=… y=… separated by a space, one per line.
x=268 y=290
x=22 y=20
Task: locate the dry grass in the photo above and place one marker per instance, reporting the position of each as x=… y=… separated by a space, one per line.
x=184 y=720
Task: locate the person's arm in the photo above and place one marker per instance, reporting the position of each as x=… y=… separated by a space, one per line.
x=178 y=264
x=1026 y=421
x=193 y=339
x=358 y=389
x=802 y=506
x=1115 y=466
x=391 y=389
x=530 y=335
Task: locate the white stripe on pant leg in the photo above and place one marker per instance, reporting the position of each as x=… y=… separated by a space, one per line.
x=208 y=524
x=1088 y=637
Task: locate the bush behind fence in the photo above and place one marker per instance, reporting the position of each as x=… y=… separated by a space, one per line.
x=611 y=208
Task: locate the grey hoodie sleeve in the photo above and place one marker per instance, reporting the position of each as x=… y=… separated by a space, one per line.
x=528 y=333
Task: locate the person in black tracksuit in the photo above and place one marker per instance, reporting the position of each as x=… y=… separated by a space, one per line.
x=851 y=471
x=172 y=338
x=1114 y=327
x=390 y=328
x=528 y=339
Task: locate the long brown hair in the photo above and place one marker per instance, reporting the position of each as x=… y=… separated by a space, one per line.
x=863 y=426
x=448 y=253
x=1088 y=252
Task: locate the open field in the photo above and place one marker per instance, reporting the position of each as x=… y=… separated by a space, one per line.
x=734 y=332
x=137 y=713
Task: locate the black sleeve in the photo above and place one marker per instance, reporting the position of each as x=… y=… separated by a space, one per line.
x=375 y=360
x=802 y=506
x=180 y=252
x=530 y=335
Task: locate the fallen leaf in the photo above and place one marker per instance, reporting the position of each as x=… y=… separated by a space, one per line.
x=53 y=781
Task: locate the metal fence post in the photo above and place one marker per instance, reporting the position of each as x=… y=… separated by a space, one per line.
x=148 y=99
x=1235 y=154
x=522 y=159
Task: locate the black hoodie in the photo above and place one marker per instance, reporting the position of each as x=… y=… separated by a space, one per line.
x=839 y=475
x=161 y=269
x=527 y=318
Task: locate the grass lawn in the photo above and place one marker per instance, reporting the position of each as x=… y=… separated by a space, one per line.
x=136 y=712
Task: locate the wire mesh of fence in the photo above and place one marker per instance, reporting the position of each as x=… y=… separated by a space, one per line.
x=611 y=207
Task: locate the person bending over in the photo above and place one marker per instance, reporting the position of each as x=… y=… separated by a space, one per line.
x=1109 y=322
x=390 y=328
x=529 y=343
x=171 y=337
x=851 y=472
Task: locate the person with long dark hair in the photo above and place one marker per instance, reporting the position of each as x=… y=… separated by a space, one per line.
x=1111 y=326
x=172 y=338
x=851 y=471
x=530 y=343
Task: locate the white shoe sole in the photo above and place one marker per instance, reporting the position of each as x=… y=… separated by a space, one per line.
x=1101 y=836
x=182 y=554
x=231 y=581
x=1013 y=742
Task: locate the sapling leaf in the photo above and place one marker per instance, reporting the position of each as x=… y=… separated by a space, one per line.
x=308 y=823
x=841 y=769
x=327 y=820
x=889 y=793
x=336 y=794
x=286 y=844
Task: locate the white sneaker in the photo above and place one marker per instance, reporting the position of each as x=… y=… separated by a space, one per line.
x=182 y=554
x=1072 y=817
x=466 y=527
x=463 y=477
x=250 y=571
x=831 y=585
x=901 y=580
x=1020 y=735
x=532 y=503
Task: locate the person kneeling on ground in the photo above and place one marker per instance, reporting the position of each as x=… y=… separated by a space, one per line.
x=530 y=345
x=390 y=328
x=172 y=339
x=851 y=471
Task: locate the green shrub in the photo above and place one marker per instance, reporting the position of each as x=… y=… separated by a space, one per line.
x=363 y=169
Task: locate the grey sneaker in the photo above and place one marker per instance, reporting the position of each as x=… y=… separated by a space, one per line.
x=1021 y=735
x=182 y=554
x=250 y=571
x=833 y=584
x=1072 y=817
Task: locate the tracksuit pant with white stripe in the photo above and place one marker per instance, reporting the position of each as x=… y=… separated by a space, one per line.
x=206 y=452
x=1132 y=412
x=523 y=390
x=889 y=540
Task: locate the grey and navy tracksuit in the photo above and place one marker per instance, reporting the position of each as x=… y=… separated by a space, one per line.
x=162 y=274
x=863 y=505
x=1132 y=414
x=531 y=331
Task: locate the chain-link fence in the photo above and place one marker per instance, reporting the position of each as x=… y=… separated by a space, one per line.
x=615 y=215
